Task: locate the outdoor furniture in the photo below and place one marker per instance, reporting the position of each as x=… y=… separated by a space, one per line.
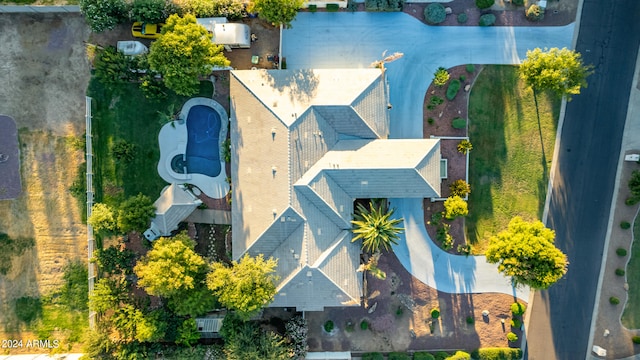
x=255 y=59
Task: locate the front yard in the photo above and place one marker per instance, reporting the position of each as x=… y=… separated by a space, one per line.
x=511 y=158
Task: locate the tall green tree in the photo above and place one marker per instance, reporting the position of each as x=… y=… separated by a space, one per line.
x=558 y=70
x=104 y=15
x=171 y=268
x=246 y=286
x=183 y=53
x=277 y=12
x=135 y=214
x=526 y=252
x=375 y=227
x=108 y=294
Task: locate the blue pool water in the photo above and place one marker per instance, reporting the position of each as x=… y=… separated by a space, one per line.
x=203 y=154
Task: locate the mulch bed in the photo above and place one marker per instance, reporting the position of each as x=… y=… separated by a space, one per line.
x=557 y=14
x=10 y=182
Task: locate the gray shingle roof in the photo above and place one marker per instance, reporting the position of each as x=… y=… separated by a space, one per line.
x=303 y=143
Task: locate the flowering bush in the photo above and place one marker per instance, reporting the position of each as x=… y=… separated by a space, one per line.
x=104 y=15
x=297 y=332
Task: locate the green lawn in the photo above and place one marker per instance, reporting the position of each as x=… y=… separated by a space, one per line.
x=509 y=164
x=631 y=314
x=128 y=115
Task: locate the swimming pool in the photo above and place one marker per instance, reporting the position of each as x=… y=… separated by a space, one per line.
x=203 y=133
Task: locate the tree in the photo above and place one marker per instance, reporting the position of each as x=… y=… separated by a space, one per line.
x=107 y=294
x=375 y=227
x=441 y=76
x=133 y=324
x=454 y=207
x=558 y=70
x=484 y=4
x=151 y=11
x=246 y=286
x=526 y=252
x=102 y=218
x=135 y=213
x=188 y=333
x=193 y=302
x=634 y=187
x=115 y=261
x=171 y=267
x=277 y=12
x=249 y=342
x=103 y=15
x=460 y=188
x=183 y=53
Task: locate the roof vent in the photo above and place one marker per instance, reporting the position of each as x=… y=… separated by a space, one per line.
x=309 y=273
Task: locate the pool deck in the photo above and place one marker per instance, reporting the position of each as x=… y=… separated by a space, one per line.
x=173 y=141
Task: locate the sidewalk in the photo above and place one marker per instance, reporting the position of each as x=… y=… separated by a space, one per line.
x=606 y=316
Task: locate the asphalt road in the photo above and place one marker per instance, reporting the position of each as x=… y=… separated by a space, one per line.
x=583 y=186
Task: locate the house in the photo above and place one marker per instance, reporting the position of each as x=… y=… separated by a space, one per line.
x=305 y=145
x=174 y=205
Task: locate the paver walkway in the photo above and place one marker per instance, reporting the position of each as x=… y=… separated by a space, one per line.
x=355 y=40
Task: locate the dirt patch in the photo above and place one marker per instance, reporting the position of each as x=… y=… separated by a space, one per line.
x=402 y=321
x=44 y=78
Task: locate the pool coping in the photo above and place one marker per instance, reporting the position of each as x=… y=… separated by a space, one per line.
x=172 y=141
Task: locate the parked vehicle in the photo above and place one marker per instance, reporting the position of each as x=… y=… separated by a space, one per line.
x=132 y=48
x=146 y=30
x=230 y=35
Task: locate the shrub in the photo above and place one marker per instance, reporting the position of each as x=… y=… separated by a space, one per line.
x=534 y=13
x=459 y=355
x=614 y=300
x=74 y=292
x=459 y=123
x=434 y=13
x=27 y=309
x=436 y=100
x=422 y=355
x=484 y=4
x=443 y=236
x=470 y=320
x=636 y=339
x=399 y=311
x=435 y=313
x=463 y=78
x=518 y=308
x=516 y=323
x=634 y=184
x=621 y=252
x=372 y=356
x=462 y=18
x=313 y=8
x=333 y=7
x=440 y=77
x=465 y=146
x=349 y=326
x=430 y=121
x=471 y=68
x=497 y=354
x=620 y=272
x=512 y=337
x=383 y=5
x=103 y=15
x=454 y=207
x=123 y=151
x=452 y=90
x=625 y=225
x=328 y=326
x=487 y=20
x=398 y=356
x=630 y=201
x=441 y=355
x=460 y=188
x=152 y=11
x=364 y=325
x=517 y=2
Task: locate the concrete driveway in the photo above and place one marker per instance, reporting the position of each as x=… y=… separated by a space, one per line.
x=355 y=40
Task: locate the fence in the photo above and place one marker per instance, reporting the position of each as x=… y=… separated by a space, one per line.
x=90 y=239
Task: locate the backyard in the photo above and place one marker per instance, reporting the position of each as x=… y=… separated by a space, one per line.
x=513 y=145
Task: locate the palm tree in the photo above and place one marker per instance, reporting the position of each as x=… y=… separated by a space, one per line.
x=375 y=227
